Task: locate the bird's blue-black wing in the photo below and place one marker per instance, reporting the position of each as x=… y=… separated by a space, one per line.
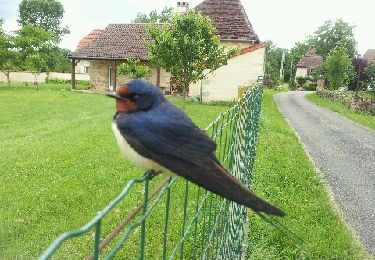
x=165 y=130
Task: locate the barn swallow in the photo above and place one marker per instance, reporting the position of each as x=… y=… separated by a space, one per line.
x=159 y=137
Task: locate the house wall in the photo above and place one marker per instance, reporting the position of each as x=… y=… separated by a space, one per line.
x=235 y=44
x=223 y=83
x=99 y=75
x=301 y=72
x=80 y=65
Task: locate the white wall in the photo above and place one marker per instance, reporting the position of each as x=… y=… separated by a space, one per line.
x=301 y=72
x=223 y=83
x=29 y=77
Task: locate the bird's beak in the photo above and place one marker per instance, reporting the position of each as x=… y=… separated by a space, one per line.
x=123 y=104
x=115 y=95
x=121 y=92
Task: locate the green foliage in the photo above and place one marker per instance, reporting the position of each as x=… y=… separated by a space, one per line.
x=134 y=69
x=58 y=60
x=273 y=65
x=188 y=48
x=330 y=34
x=338 y=67
x=36 y=63
x=370 y=72
x=8 y=55
x=165 y=16
x=46 y=14
x=69 y=81
x=30 y=40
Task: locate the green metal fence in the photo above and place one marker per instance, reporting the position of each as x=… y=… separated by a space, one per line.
x=178 y=219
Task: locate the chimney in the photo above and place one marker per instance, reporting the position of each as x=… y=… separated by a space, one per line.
x=182 y=7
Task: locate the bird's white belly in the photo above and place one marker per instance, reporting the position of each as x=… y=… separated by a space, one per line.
x=133 y=156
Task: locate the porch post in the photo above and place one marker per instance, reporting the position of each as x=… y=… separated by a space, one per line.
x=158 y=77
x=73 y=74
x=114 y=75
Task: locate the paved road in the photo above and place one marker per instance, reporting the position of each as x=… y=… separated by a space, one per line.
x=344 y=152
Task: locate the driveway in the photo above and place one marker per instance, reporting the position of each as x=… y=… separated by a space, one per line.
x=344 y=152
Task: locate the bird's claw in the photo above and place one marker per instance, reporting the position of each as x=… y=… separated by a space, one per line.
x=151 y=174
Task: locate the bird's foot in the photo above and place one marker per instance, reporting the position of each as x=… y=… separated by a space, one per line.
x=151 y=173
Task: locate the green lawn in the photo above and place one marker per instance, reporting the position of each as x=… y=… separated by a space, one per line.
x=60 y=165
x=361 y=118
x=284 y=175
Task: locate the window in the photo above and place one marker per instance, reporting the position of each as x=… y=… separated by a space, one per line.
x=86 y=69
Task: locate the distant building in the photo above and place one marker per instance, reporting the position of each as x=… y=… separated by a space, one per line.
x=369 y=55
x=308 y=63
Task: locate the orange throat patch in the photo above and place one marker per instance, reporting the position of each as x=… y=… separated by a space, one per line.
x=124 y=105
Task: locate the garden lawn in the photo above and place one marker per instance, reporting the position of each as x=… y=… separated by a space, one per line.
x=360 y=118
x=60 y=165
x=285 y=176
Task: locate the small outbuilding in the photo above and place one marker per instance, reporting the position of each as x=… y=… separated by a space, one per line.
x=308 y=63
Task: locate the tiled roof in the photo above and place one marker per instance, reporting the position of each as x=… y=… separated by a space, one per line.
x=117 y=41
x=369 y=55
x=311 y=59
x=230 y=19
x=89 y=38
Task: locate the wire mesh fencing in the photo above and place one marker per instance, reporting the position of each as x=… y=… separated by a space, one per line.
x=177 y=219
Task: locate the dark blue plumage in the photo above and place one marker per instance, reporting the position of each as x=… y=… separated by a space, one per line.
x=158 y=136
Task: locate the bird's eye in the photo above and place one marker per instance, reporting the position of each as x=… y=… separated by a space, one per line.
x=135 y=97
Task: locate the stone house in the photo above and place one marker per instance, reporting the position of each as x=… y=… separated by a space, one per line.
x=83 y=66
x=118 y=42
x=369 y=56
x=234 y=30
x=308 y=63
x=111 y=47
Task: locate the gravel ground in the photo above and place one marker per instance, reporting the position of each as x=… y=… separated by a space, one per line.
x=344 y=152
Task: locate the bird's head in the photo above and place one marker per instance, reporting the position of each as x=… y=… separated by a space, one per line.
x=137 y=95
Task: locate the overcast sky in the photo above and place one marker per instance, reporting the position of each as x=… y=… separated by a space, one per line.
x=285 y=22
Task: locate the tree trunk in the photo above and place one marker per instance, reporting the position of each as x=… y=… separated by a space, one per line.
x=357 y=86
x=8 y=78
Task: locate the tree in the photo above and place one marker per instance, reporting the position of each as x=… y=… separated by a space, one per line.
x=188 y=48
x=46 y=14
x=338 y=67
x=330 y=34
x=370 y=72
x=30 y=40
x=133 y=68
x=165 y=16
x=359 y=66
x=273 y=59
x=58 y=60
x=8 y=54
x=36 y=63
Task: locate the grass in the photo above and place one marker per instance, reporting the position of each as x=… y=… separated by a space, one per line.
x=60 y=165
x=285 y=176
x=360 y=118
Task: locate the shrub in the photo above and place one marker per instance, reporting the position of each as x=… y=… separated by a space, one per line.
x=69 y=81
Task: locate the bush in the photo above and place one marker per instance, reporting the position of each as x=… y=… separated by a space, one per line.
x=68 y=81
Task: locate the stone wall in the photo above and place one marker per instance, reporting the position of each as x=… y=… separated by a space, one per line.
x=23 y=76
x=358 y=104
